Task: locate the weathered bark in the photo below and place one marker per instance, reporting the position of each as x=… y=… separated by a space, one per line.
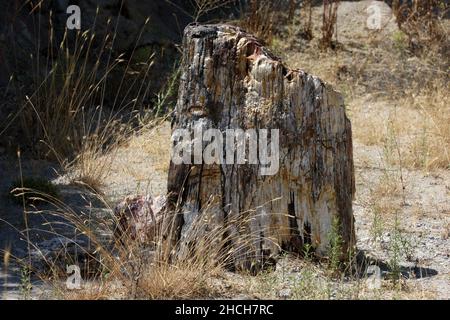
x=229 y=80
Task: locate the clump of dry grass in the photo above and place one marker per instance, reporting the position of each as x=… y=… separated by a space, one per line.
x=70 y=114
x=62 y=102
x=259 y=20
x=414 y=133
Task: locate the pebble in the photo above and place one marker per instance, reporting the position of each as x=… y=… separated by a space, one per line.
x=285 y=293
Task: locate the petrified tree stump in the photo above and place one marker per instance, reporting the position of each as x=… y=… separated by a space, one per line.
x=230 y=81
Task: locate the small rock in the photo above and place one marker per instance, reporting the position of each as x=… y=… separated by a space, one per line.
x=138 y=218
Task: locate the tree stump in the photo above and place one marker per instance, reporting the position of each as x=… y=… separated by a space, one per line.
x=231 y=81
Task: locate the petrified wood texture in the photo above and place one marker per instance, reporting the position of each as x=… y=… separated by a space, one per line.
x=229 y=80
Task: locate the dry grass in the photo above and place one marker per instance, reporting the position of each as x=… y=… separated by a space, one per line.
x=155 y=140
x=59 y=105
x=414 y=135
x=397 y=100
x=177 y=281
x=417 y=125
x=259 y=20
x=138 y=165
x=329 y=19
x=429 y=146
x=410 y=132
x=129 y=272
